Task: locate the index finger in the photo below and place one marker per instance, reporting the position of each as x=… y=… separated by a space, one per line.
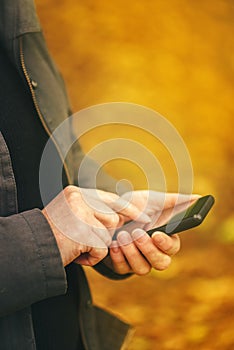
x=129 y=211
x=176 y=199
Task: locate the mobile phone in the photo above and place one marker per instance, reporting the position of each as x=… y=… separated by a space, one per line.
x=189 y=218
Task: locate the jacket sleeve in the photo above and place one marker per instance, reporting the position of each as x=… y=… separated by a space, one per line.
x=31 y=265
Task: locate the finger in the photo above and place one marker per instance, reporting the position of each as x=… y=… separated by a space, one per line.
x=135 y=259
x=99 y=236
x=157 y=258
x=129 y=211
x=100 y=209
x=162 y=201
x=118 y=204
x=104 y=235
x=100 y=195
x=167 y=244
x=110 y=219
x=94 y=256
x=176 y=199
x=174 y=204
x=122 y=220
x=119 y=262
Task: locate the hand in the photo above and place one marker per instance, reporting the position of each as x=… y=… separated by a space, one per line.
x=134 y=250
x=126 y=210
x=83 y=224
x=138 y=253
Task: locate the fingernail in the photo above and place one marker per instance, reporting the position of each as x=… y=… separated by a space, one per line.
x=114 y=246
x=139 y=234
x=124 y=238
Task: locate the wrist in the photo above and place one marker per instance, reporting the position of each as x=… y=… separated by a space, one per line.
x=66 y=246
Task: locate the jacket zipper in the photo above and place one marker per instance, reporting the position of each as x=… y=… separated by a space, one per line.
x=22 y=61
x=50 y=135
x=128 y=339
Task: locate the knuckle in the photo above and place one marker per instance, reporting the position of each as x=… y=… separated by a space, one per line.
x=113 y=220
x=170 y=247
x=69 y=188
x=151 y=253
x=71 y=191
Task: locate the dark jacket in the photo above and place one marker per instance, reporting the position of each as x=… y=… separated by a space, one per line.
x=31 y=266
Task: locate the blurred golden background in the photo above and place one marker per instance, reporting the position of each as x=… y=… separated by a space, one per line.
x=176 y=57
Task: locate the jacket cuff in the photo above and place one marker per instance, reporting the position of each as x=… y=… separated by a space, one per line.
x=48 y=254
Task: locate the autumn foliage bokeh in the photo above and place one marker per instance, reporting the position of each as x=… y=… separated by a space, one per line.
x=176 y=57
